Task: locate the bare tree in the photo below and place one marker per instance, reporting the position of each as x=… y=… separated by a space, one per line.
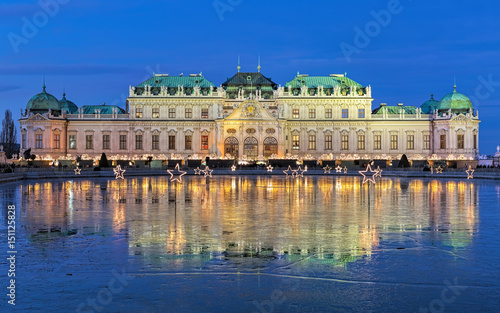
x=8 y=135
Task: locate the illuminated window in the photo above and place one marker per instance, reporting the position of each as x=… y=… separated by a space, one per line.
x=156 y=112
x=345 y=113
x=204 y=113
x=188 y=142
x=361 y=113
x=394 y=142
x=105 y=142
x=361 y=142
x=460 y=141
x=344 y=142
x=312 y=142
x=442 y=141
x=89 y=142
x=328 y=113
x=204 y=142
x=410 y=142
x=295 y=113
x=155 y=140
x=123 y=142
x=188 y=113
x=171 y=142
x=475 y=141
x=138 y=142
x=171 y=113
x=39 y=141
x=328 y=142
x=72 y=141
x=57 y=141
x=312 y=113
x=138 y=113
x=295 y=142
x=377 y=142
x=427 y=142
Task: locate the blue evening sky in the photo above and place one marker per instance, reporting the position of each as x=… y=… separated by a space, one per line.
x=96 y=49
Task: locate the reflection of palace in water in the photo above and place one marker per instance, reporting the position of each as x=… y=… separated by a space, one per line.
x=335 y=218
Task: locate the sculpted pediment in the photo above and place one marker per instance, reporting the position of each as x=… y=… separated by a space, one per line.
x=461 y=117
x=37 y=117
x=251 y=110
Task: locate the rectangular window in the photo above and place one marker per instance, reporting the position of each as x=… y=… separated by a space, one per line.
x=377 y=142
x=23 y=141
x=171 y=142
x=460 y=141
x=138 y=113
x=188 y=113
x=328 y=142
x=89 y=142
x=427 y=142
x=57 y=141
x=344 y=142
x=295 y=113
x=105 y=142
x=475 y=141
x=361 y=113
x=156 y=112
x=188 y=140
x=345 y=113
x=204 y=113
x=328 y=113
x=361 y=142
x=394 y=142
x=138 y=142
x=39 y=141
x=155 y=142
x=204 y=142
x=295 y=142
x=442 y=141
x=312 y=142
x=171 y=113
x=123 y=142
x=72 y=141
x=410 y=142
x=312 y=113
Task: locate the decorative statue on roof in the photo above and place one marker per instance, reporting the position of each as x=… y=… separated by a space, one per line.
x=303 y=90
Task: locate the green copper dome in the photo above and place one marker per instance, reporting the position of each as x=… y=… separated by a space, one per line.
x=429 y=106
x=455 y=101
x=42 y=102
x=67 y=106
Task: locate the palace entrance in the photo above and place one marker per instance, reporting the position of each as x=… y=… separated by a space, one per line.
x=231 y=147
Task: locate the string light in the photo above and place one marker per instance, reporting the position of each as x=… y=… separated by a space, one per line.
x=327 y=169
x=174 y=177
x=379 y=172
x=78 y=171
x=439 y=170
x=119 y=172
x=470 y=173
x=233 y=168
x=338 y=169
x=197 y=171
x=269 y=168
x=289 y=171
x=345 y=170
x=365 y=177
x=207 y=171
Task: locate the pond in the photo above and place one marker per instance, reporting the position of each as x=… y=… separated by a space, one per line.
x=254 y=244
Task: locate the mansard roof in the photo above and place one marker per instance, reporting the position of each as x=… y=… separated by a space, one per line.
x=325 y=81
x=165 y=80
x=408 y=109
x=248 y=79
x=105 y=109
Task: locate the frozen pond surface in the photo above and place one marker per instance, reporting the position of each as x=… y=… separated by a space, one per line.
x=254 y=244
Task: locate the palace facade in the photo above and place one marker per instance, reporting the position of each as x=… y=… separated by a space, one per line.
x=251 y=117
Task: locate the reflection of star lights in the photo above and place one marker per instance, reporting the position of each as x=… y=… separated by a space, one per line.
x=197 y=171
x=207 y=171
x=233 y=168
x=379 y=172
x=439 y=169
x=289 y=171
x=118 y=172
x=470 y=173
x=269 y=168
x=345 y=170
x=78 y=171
x=176 y=177
x=338 y=169
x=327 y=169
x=365 y=177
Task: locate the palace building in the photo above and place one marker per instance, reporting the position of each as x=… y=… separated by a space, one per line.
x=250 y=117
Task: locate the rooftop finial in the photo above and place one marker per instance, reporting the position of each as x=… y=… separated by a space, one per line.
x=64 y=92
x=239 y=67
x=259 y=67
x=44 y=83
x=454 y=84
x=432 y=96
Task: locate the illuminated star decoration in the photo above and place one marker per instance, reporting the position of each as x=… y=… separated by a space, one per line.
x=365 y=177
x=77 y=170
x=345 y=170
x=176 y=177
x=207 y=171
x=197 y=171
x=327 y=169
x=289 y=171
x=439 y=170
x=118 y=172
x=299 y=172
x=269 y=168
x=338 y=169
x=233 y=168
x=470 y=172
x=379 y=172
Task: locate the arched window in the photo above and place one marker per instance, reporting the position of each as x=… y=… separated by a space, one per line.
x=270 y=146
x=231 y=146
x=250 y=150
